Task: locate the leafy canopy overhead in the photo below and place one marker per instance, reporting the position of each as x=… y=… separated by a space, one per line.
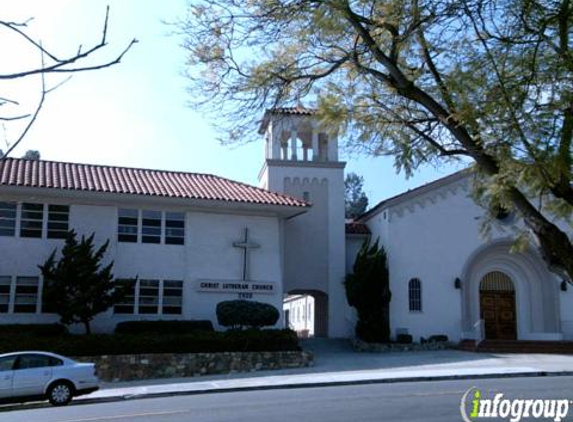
x=355 y=200
x=488 y=81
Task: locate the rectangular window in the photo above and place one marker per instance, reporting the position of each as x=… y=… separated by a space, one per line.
x=149 y=296
x=5 y=288
x=7 y=219
x=26 y=297
x=174 y=228
x=127 y=225
x=172 y=297
x=58 y=221
x=127 y=305
x=31 y=220
x=151 y=227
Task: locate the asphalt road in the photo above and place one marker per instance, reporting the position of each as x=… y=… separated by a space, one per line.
x=421 y=401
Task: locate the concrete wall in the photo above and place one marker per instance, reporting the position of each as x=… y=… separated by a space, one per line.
x=208 y=253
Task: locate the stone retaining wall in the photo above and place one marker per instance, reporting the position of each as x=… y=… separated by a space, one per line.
x=164 y=365
x=361 y=346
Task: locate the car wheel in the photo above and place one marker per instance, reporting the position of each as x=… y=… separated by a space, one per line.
x=60 y=393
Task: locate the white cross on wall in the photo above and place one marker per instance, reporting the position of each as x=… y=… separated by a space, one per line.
x=246 y=245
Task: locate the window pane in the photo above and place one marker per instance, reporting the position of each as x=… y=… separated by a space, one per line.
x=415 y=294
x=174 y=228
x=151 y=226
x=31 y=220
x=26 y=295
x=58 y=221
x=149 y=296
x=5 y=287
x=127 y=305
x=34 y=361
x=127 y=225
x=7 y=363
x=172 y=297
x=7 y=219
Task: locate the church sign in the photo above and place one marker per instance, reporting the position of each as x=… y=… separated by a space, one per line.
x=231 y=286
x=244 y=287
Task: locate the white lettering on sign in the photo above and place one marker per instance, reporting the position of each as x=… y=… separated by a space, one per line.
x=220 y=286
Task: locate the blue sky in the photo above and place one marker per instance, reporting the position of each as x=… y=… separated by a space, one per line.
x=135 y=114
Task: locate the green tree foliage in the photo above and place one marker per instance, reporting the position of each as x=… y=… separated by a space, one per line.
x=355 y=200
x=368 y=291
x=76 y=286
x=238 y=314
x=32 y=154
x=426 y=81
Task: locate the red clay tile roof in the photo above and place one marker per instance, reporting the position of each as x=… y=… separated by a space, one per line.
x=297 y=111
x=300 y=110
x=96 y=178
x=357 y=228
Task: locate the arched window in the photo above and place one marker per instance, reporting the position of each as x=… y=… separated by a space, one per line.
x=415 y=295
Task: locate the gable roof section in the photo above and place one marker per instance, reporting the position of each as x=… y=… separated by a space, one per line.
x=124 y=180
x=404 y=196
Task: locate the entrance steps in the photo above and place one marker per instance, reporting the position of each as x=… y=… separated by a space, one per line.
x=518 y=346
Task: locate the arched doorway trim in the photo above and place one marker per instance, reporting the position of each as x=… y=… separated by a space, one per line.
x=536 y=289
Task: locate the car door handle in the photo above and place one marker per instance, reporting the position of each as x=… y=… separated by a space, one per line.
x=7 y=377
x=46 y=373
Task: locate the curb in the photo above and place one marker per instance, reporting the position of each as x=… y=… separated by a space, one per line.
x=79 y=402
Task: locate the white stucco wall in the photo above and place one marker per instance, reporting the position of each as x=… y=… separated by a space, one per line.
x=300 y=310
x=208 y=253
x=315 y=241
x=434 y=236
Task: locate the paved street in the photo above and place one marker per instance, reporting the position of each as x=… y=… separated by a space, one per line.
x=420 y=401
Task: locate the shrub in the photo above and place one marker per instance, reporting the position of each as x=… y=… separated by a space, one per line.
x=163 y=327
x=438 y=338
x=245 y=313
x=113 y=344
x=404 y=339
x=42 y=330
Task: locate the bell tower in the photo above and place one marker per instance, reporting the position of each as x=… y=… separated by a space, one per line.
x=301 y=160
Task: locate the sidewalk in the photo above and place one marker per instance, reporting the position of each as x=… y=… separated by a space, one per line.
x=337 y=364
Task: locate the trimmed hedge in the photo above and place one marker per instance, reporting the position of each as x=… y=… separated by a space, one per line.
x=120 y=344
x=246 y=313
x=42 y=330
x=163 y=327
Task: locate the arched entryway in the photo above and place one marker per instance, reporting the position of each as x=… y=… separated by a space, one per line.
x=504 y=274
x=497 y=306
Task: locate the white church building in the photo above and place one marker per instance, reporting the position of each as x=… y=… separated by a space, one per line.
x=193 y=240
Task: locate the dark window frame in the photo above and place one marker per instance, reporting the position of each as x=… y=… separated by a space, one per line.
x=415 y=295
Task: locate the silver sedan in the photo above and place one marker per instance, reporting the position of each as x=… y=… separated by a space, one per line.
x=26 y=376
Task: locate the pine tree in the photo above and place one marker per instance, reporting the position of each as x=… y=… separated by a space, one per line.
x=368 y=291
x=76 y=286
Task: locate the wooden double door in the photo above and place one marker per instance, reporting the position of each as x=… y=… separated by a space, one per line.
x=497 y=309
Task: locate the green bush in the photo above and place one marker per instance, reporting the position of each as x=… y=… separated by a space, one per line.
x=43 y=330
x=438 y=338
x=163 y=327
x=246 y=313
x=119 y=344
x=404 y=339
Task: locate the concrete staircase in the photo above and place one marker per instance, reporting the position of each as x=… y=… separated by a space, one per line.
x=518 y=346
